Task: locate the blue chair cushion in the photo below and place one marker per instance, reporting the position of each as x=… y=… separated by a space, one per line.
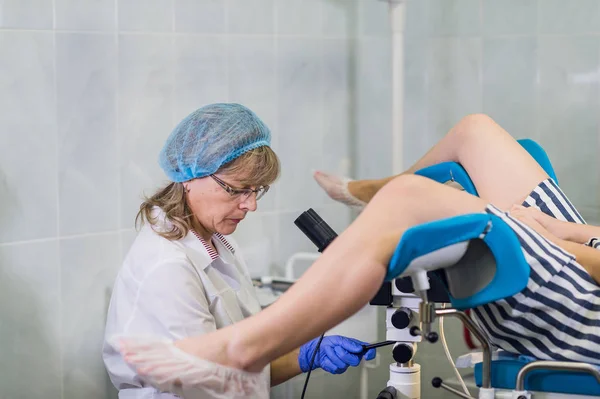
x=512 y=271
x=447 y=171
x=504 y=376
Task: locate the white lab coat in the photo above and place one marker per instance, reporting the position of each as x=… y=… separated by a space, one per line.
x=174 y=289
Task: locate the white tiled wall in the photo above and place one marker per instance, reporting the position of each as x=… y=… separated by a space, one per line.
x=30 y=329
x=89 y=91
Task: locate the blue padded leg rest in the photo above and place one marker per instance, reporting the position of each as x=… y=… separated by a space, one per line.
x=447 y=171
x=504 y=376
x=512 y=270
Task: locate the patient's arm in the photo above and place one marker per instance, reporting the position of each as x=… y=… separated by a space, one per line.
x=586 y=256
x=579 y=233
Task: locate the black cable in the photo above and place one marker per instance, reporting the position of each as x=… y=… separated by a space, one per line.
x=312 y=361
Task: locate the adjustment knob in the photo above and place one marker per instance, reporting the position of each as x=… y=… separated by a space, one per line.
x=415 y=331
x=401 y=318
x=432 y=337
x=402 y=353
x=405 y=285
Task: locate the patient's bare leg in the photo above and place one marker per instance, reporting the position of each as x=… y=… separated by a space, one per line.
x=503 y=172
x=342 y=280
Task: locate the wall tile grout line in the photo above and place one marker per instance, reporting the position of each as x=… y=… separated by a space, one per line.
x=58 y=249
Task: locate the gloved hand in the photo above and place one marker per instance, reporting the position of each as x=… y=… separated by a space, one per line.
x=335 y=354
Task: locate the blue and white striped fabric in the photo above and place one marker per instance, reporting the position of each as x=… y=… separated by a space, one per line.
x=594 y=242
x=557 y=316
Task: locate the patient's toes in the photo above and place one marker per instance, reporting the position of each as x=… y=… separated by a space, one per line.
x=338 y=188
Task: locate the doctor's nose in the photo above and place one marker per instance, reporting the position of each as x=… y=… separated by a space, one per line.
x=249 y=203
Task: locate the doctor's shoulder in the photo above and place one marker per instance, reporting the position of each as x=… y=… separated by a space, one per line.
x=151 y=248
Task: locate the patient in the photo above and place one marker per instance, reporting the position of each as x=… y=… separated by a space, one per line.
x=556 y=317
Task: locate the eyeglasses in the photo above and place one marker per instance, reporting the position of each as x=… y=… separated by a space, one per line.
x=241 y=193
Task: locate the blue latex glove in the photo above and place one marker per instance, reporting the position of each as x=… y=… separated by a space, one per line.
x=335 y=354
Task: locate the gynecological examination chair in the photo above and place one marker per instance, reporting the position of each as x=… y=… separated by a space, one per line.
x=466 y=261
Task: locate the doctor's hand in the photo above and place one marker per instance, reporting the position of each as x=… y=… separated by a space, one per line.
x=335 y=354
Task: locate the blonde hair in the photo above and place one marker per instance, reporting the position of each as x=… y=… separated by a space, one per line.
x=257 y=167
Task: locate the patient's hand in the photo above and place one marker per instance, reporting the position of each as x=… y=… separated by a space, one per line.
x=528 y=217
x=550 y=224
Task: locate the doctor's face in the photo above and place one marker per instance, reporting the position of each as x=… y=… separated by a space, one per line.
x=220 y=202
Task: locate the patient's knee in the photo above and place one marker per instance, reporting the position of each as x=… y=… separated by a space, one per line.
x=406 y=186
x=474 y=125
x=476 y=120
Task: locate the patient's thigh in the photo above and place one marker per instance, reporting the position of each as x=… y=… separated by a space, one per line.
x=503 y=172
x=409 y=200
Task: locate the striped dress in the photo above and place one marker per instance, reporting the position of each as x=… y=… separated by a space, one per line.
x=557 y=316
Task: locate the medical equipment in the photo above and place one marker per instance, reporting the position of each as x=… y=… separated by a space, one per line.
x=474 y=260
x=319 y=232
x=377 y=345
x=316 y=229
x=274 y=283
x=406 y=374
x=335 y=353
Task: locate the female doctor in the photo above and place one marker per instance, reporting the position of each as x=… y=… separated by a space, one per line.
x=183 y=275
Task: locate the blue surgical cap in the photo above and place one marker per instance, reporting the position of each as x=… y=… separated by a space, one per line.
x=210 y=137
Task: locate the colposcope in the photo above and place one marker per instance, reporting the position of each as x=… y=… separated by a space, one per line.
x=408 y=317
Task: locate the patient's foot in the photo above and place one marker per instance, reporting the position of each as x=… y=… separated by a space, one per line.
x=354 y=193
x=166 y=367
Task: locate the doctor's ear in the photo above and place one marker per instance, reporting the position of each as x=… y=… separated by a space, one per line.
x=186 y=188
